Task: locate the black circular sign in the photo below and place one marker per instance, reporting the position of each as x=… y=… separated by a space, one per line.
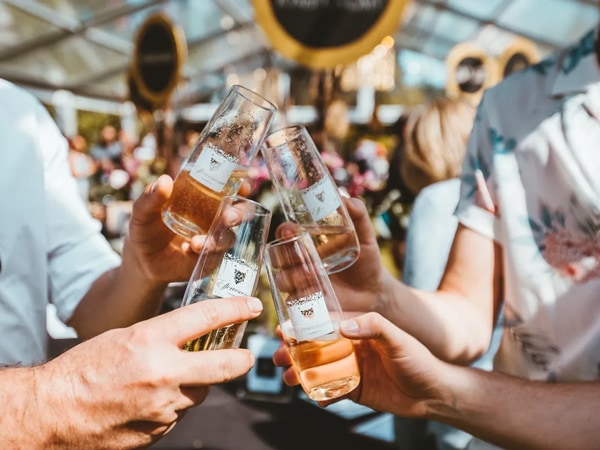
x=471 y=74
x=516 y=62
x=158 y=58
x=518 y=55
x=326 y=33
x=326 y=24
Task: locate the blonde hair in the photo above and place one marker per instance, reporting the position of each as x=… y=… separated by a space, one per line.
x=436 y=136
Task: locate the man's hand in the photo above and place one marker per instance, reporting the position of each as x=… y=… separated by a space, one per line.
x=398 y=374
x=128 y=387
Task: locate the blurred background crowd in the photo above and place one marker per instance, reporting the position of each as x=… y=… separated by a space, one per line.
x=113 y=167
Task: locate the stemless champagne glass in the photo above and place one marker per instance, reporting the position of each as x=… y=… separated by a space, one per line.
x=309 y=314
x=229 y=264
x=309 y=196
x=218 y=163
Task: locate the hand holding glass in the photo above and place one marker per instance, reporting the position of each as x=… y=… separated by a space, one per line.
x=229 y=264
x=218 y=164
x=309 y=314
x=309 y=196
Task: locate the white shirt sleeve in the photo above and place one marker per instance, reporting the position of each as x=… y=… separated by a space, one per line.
x=77 y=251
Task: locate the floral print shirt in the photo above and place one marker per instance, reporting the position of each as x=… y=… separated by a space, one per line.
x=531 y=181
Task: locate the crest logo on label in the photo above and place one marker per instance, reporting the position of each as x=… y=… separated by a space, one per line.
x=308 y=313
x=239 y=276
x=214 y=164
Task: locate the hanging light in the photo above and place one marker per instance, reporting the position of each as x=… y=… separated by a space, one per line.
x=376 y=69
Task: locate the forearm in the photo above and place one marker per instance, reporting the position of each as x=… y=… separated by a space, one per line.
x=520 y=414
x=448 y=324
x=455 y=322
x=118 y=298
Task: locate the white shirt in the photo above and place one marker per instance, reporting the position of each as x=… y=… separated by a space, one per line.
x=536 y=143
x=51 y=249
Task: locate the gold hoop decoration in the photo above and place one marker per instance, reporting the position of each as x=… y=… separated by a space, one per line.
x=325 y=34
x=159 y=55
x=520 y=53
x=470 y=71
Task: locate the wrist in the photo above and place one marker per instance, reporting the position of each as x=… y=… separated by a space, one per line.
x=42 y=411
x=133 y=268
x=386 y=295
x=57 y=405
x=27 y=422
x=448 y=398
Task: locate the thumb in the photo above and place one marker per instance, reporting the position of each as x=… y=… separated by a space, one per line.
x=374 y=326
x=188 y=322
x=148 y=204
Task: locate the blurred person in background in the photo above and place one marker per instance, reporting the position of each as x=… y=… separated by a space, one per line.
x=129 y=386
x=82 y=164
x=436 y=136
x=107 y=152
x=527 y=242
x=137 y=160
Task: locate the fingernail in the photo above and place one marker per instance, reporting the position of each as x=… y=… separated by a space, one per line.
x=349 y=326
x=154 y=186
x=358 y=201
x=255 y=304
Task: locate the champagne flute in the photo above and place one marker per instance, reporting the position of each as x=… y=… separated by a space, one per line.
x=218 y=164
x=309 y=314
x=229 y=264
x=309 y=196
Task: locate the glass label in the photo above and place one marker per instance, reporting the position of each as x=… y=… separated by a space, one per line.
x=213 y=168
x=235 y=277
x=321 y=198
x=310 y=317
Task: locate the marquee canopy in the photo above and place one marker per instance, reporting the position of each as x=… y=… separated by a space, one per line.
x=85 y=46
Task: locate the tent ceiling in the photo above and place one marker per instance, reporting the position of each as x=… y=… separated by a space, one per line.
x=85 y=46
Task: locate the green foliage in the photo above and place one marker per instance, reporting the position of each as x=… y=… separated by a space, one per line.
x=90 y=124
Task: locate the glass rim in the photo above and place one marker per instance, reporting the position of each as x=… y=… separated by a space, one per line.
x=262 y=209
x=255 y=98
x=286 y=240
x=284 y=135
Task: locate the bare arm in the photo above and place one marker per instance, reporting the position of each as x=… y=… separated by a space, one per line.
x=152 y=257
x=457 y=321
x=118 y=298
x=516 y=413
x=399 y=375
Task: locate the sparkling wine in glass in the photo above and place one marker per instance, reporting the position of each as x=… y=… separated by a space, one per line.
x=309 y=196
x=218 y=163
x=229 y=264
x=309 y=315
